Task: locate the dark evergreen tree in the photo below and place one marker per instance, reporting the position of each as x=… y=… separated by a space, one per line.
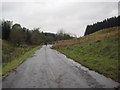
x=6 y=29
x=107 y=23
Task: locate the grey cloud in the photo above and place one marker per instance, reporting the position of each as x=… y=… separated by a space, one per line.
x=51 y=16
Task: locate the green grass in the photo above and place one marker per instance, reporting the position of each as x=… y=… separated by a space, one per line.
x=12 y=64
x=11 y=51
x=99 y=55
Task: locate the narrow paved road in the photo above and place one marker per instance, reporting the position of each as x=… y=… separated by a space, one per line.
x=50 y=69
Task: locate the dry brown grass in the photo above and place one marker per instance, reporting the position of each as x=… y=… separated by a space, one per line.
x=105 y=33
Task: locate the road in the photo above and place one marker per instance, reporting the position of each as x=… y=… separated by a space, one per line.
x=51 y=69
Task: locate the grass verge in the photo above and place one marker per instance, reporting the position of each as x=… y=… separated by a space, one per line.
x=98 y=54
x=11 y=65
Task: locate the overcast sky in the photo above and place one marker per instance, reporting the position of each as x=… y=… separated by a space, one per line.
x=52 y=15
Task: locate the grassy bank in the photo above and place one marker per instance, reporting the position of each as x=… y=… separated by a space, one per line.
x=10 y=65
x=98 y=51
x=11 y=51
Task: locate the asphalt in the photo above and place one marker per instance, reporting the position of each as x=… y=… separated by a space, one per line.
x=48 y=68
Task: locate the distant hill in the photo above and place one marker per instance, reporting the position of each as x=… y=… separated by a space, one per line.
x=107 y=23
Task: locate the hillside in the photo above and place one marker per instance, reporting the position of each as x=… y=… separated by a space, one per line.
x=107 y=23
x=97 y=51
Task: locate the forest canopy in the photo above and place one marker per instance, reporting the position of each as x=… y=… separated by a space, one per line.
x=107 y=23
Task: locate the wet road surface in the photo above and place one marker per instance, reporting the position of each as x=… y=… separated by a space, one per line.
x=51 y=69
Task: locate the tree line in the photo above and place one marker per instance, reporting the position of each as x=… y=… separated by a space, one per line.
x=107 y=23
x=21 y=35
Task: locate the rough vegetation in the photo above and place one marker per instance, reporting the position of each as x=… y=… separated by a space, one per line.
x=9 y=66
x=10 y=51
x=97 y=51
